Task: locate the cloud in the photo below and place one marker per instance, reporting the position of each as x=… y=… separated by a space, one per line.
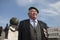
x=25 y=2
x=49 y=12
x=30 y=2
x=56 y=6
x=53 y=9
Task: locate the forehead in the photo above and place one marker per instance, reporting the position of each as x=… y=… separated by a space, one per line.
x=32 y=10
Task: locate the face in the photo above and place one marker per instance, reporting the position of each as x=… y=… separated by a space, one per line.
x=32 y=14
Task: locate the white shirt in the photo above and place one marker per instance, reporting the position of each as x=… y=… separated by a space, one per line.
x=32 y=22
x=12 y=35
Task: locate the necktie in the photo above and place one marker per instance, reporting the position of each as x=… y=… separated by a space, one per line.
x=34 y=24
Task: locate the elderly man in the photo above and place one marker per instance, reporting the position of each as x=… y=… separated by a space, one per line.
x=32 y=28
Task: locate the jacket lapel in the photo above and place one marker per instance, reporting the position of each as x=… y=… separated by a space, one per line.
x=27 y=23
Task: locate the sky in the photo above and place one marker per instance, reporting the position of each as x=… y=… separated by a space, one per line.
x=49 y=11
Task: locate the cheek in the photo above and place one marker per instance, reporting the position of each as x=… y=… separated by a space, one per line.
x=30 y=15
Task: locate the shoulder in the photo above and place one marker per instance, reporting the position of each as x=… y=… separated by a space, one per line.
x=26 y=20
x=23 y=22
x=43 y=24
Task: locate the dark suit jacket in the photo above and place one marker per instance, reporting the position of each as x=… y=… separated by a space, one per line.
x=24 y=30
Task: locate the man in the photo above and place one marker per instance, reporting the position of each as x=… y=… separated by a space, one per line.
x=32 y=29
x=2 y=34
x=11 y=32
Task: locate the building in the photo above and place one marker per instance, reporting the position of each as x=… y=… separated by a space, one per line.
x=54 y=33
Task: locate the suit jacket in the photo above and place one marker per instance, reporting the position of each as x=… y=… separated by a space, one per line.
x=24 y=30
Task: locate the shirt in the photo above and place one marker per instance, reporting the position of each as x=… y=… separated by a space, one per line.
x=32 y=22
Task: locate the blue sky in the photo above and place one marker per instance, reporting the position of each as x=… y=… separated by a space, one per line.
x=49 y=11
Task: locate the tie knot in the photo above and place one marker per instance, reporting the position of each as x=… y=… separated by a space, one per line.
x=34 y=21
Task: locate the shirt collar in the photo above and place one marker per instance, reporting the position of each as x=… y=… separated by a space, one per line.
x=31 y=20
